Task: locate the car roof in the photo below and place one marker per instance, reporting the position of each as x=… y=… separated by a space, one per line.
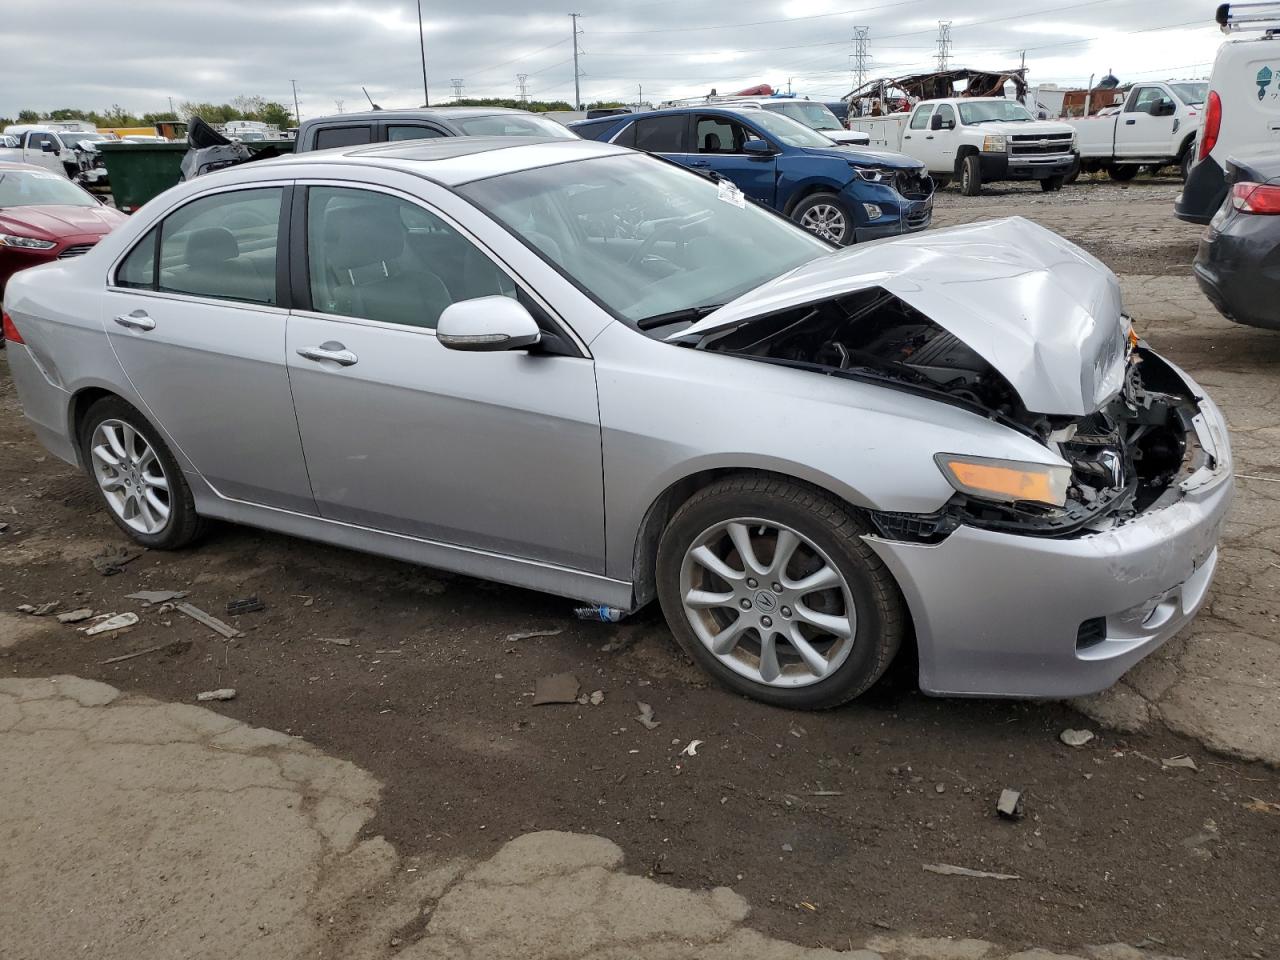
x=417 y=113
x=452 y=161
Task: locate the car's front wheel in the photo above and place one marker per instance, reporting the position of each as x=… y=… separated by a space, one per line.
x=137 y=477
x=826 y=215
x=1123 y=173
x=1051 y=184
x=971 y=175
x=770 y=588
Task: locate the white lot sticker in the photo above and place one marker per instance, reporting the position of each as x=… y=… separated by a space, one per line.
x=730 y=193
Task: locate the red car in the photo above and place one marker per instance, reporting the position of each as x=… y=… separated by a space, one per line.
x=44 y=216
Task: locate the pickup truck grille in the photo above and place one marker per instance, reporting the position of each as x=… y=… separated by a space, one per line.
x=915 y=186
x=1038 y=145
x=75 y=250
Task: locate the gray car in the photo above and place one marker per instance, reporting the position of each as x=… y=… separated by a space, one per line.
x=575 y=368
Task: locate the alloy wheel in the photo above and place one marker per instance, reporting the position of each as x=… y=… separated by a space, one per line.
x=131 y=476
x=826 y=220
x=767 y=602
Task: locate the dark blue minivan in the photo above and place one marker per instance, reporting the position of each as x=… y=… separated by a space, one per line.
x=842 y=194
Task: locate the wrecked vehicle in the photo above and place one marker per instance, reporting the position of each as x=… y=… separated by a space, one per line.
x=70 y=153
x=572 y=367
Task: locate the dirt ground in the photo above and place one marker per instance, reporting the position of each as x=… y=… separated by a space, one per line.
x=822 y=822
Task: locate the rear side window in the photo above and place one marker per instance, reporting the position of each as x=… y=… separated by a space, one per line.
x=223 y=246
x=412 y=131
x=920 y=119
x=662 y=134
x=327 y=137
x=139 y=267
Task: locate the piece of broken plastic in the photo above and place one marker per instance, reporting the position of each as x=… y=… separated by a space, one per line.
x=601 y=613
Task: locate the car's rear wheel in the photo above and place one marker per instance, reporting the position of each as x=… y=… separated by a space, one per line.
x=1051 y=184
x=826 y=215
x=1123 y=173
x=137 y=477
x=971 y=176
x=770 y=588
x=1184 y=167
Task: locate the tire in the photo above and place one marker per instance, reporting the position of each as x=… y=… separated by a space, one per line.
x=1184 y=165
x=1123 y=174
x=1052 y=184
x=1074 y=173
x=111 y=427
x=940 y=183
x=828 y=216
x=971 y=175
x=860 y=596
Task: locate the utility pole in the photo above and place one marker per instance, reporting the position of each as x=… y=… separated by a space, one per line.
x=944 y=45
x=296 y=112
x=861 y=61
x=171 y=110
x=522 y=84
x=456 y=83
x=639 y=97
x=422 y=49
x=577 y=95
x=788 y=85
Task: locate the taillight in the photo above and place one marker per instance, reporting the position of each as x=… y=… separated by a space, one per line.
x=1256 y=198
x=1212 y=124
x=10 y=331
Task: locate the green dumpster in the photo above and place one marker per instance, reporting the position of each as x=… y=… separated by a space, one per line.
x=139 y=171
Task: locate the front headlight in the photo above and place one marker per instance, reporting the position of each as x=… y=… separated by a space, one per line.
x=1006 y=481
x=875 y=174
x=26 y=243
x=994 y=143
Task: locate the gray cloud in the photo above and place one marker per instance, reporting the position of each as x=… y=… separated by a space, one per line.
x=138 y=53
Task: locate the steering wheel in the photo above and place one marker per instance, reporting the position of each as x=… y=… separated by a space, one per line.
x=665 y=231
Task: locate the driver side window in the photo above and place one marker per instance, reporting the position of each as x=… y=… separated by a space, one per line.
x=947 y=114
x=720 y=135
x=920 y=119
x=1144 y=98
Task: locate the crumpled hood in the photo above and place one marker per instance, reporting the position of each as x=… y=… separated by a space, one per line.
x=865 y=156
x=1040 y=310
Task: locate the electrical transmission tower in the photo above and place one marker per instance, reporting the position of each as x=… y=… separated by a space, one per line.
x=861 y=59
x=456 y=83
x=522 y=84
x=944 y=45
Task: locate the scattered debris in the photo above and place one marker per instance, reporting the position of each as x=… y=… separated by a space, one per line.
x=156 y=596
x=25 y=608
x=530 y=634
x=337 y=641
x=555 y=688
x=245 y=605
x=226 y=693
x=1075 y=738
x=692 y=749
x=826 y=793
x=3 y=527
x=1009 y=806
x=213 y=623
x=1258 y=805
x=601 y=613
x=597 y=697
x=121 y=621
x=40 y=609
x=1182 y=761
x=787 y=848
x=621 y=640
x=142 y=653
x=1197 y=843
x=75 y=616
x=947 y=870
x=112 y=560
x=807 y=906
x=645 y=719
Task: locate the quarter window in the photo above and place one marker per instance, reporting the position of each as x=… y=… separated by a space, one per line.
x=920 y=119
x=139 y=267
x=327 y=137
x=223 y=246
x=378 y=257
x=662 y=134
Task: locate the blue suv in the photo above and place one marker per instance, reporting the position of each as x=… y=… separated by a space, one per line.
x=843 y=195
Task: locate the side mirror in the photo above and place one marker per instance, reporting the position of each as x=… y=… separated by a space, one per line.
x=757 y=147
x=1165 y=108
x=935 y=122
x=46 y=146
x=487 y=323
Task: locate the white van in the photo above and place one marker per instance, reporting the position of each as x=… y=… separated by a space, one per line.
x=1242 y=112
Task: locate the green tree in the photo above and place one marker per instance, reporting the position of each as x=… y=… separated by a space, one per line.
x=28 y=116
x=276 y=113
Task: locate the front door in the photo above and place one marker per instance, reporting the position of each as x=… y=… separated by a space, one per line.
x=938 y=149
x=50 y=158
x=494 y=451
x=193 y=316
x=717 y=145
x=1138 y=132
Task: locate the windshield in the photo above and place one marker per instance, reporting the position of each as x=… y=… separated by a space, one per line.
x=1191 y=93
x=985 y=111
x=815 y=115
x=788 y=131
x=644 y=237
x=71 y=138
x=513 y=125
x=29 y=188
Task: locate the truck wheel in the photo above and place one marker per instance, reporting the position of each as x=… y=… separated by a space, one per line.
x=826 y=215
x=1074 y=173
x=971 y=176
x=1188 y=158
x=1051 y=184
x=1123 y=174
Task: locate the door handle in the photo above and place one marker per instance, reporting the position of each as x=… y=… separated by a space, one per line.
x=929 y=137
x=331 y=351
x=1130 y=123
x=137 y=320
x=907 y=137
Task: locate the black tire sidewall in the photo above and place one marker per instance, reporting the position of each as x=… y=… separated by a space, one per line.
x=971 y=176
x=833 y=200
x=867 y=660
x=182 y=524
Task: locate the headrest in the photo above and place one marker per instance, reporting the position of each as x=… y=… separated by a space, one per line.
x=359 y=236
x=211 y=246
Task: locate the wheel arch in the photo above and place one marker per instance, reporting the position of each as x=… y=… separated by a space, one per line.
x=964 y=150
x=81 y=401
x=807 y=190
x=1187 y=143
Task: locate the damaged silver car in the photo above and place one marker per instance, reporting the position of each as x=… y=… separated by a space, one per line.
x=570 y=367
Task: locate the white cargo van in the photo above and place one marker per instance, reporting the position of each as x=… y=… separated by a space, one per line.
x=1242 y=111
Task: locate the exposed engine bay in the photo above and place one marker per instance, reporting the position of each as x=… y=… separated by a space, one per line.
x=1124 y=457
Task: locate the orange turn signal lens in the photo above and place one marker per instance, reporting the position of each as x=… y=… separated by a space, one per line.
x=1008 y=481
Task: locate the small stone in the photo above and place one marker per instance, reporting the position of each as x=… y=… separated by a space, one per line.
x=226 y=693
x=597 y=698
x=1075 y=738
x=786 y=848
x=940 y=788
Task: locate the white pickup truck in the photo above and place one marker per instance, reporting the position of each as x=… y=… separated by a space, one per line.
x=66 y=152
x=977 y=140
x=1155 y=127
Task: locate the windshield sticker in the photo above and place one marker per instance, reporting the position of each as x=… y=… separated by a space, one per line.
x=730 y=193
x=1264 y=80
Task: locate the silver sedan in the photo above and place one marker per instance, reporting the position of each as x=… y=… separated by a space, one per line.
x=571 y=367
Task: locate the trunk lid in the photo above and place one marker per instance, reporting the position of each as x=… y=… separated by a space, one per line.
x=1043 y=312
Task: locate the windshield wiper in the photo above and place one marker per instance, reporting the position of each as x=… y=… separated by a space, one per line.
x=677 y=316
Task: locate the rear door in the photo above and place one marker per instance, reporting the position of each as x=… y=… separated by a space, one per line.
x=343 y=135
x=717 y=145
x=195 y=314
x=667 y=136
x=1140 y=132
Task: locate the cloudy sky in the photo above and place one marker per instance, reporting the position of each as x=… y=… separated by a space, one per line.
x=139 y=53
